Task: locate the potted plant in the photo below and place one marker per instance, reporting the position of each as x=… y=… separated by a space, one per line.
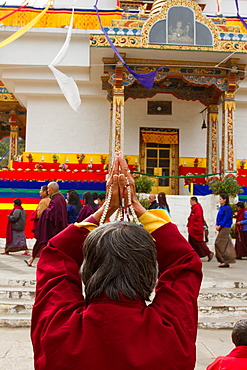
x=39 y=166
x=80 y=157
x=196 y=162
x=29 y=157
x=143 y=184
x=55 y=158
x=63 y=167
x=103 y=158
x=228 y=185
x=242 y=163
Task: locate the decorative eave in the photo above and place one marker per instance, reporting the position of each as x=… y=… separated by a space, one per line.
x=200 y=81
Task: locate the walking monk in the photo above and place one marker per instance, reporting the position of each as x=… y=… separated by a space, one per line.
x=196 y=230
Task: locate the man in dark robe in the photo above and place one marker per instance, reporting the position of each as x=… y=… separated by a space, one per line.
x=196 y=230
x=54 y=218
x=153 y=202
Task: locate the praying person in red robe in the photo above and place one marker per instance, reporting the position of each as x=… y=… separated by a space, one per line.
x=54 y=218
x=111 y=326
x=237 y=358
x=196 y=230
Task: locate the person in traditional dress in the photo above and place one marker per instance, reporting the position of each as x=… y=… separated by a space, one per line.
x=15 y=235
x=237 y=358
x=43 y=204
x=74 y=206
x=153 y=202
x=162 y=203
x=89 y=207
x=54 y=218
x=196 y=230
x=225 y=252
x=241 y=231
x=112 y=327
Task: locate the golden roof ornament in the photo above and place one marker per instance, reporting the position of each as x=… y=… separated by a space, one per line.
x=156 y=7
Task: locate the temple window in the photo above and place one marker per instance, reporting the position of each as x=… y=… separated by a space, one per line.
x=180 y=28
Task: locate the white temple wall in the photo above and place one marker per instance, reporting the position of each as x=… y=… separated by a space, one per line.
x=227 y=7
x=241 y=130
x=185 y=116
x=85 y=4
x=52 y=126
x=88 y=129
x=40 y=46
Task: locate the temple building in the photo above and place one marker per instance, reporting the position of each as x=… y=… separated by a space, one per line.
x=169 y=91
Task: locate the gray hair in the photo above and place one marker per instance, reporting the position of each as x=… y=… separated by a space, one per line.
x=119 y=260
x=239 y=333
x=54 y=185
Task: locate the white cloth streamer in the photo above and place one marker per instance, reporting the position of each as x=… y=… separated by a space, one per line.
x=67 y=84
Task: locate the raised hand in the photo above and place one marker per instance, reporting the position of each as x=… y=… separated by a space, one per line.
x=126 y=180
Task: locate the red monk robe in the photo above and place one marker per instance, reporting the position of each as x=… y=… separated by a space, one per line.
x=196 y=231
x=235 y=360
x=196 y=222
x=53 y=219
x=112 y=335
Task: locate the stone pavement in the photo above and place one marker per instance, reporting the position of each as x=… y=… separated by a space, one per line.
x=15 y=345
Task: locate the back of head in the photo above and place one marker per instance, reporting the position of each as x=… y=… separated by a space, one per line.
x=74 y=199
x=119 y=260
x=162 y=200
x=240 y=204
x=17 y=202
x=239 y=333
x=95 y=195
x=88 y=199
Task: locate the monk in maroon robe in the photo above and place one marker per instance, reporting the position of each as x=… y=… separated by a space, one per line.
x=196 y=230
x=112 y=327
x=237 y=358
x=54 y=218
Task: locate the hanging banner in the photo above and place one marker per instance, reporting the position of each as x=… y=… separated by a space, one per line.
x=146 y=79
x=14 y=11
x=66 y=84
x=24 y=29
x=239 y=16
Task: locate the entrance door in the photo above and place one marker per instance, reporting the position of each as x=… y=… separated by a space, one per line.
x=158 y=162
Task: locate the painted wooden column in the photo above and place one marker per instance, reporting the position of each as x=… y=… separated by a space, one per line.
x=213 y=139
x=117 y=112
x=110 y=139
x=228 y=137
x=13 y=138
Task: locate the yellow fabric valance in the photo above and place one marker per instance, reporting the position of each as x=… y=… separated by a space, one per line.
x=83 y=19
x=159 y=137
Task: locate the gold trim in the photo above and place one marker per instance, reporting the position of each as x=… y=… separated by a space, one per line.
x=119 y=100
x=230 y=105
x=135 y=42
